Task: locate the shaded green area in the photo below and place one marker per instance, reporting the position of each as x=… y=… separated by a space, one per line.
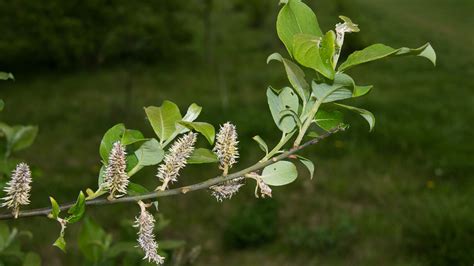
x=400 y=195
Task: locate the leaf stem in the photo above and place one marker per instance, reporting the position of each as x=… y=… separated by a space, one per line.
x=135 y=170
x=277 y=147
x=307 y=123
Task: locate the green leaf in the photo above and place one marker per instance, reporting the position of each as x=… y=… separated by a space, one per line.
x=32 y=259
x=193 y=112
x=261 y=144
x=6 y=76
x=150 y=153
x=100 y=178
x=327 y=51
x=206 y=129
x=296 y=17
x=132 y=162
x=134 y=189
x=291 y=114
x=54 y=208
x=346 y=81
x=379 y=51
x=279 y=173
x=112 y=135
x=202 y=155
x=2 y=105
x=163 y=119
x=92 y=241
x=287 y=99
x=307 y=52
x=60 y=243
x=368 y=116
x=295 y=75
x=330 y=93
x=328 y=120
x=23 y=137
x=77 y=210
x=131 y=136
x=94 y=194
x=343 y=87
x=361 y=90
x=308 y=164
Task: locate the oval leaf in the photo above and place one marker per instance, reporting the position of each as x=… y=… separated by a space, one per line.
x=308 y=164
x=279 y=173
x=379 y=51
x=100 y=178
x=296 y=17
x=295 y=75
x=202 y=155
x=60 y=243
x=112 y=135
x=206 y=129
x=307 y=52
x=193 y=112
x=327 y=51
x=261 y=143
x=131 y=136
x=150 y=153
x=330 y=93
x=134 y=189
x=78 y=209
x=54 y=208
x=163 y=119
x=367 y=115
x=328 y=120
x=287 y=99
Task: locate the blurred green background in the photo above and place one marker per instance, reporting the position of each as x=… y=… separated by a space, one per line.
x=400 y=195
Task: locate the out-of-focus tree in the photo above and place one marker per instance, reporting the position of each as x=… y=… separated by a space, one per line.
x=58 y=33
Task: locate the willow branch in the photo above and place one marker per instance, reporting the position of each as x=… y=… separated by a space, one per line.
x=181 y=190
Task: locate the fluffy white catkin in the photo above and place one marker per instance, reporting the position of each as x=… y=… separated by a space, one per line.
x=226 y=146
x=18 y=189
x=176 y=158
x=227 y=189
x=116 y=178
x=146 y=239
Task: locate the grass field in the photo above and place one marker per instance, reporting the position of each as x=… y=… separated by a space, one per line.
x=401 y=195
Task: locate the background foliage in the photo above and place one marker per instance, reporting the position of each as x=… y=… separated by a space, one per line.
x=399 y=195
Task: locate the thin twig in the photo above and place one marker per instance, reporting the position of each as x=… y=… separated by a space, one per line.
x=181 y=190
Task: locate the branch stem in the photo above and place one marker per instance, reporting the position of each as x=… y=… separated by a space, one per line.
x=181 y=190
